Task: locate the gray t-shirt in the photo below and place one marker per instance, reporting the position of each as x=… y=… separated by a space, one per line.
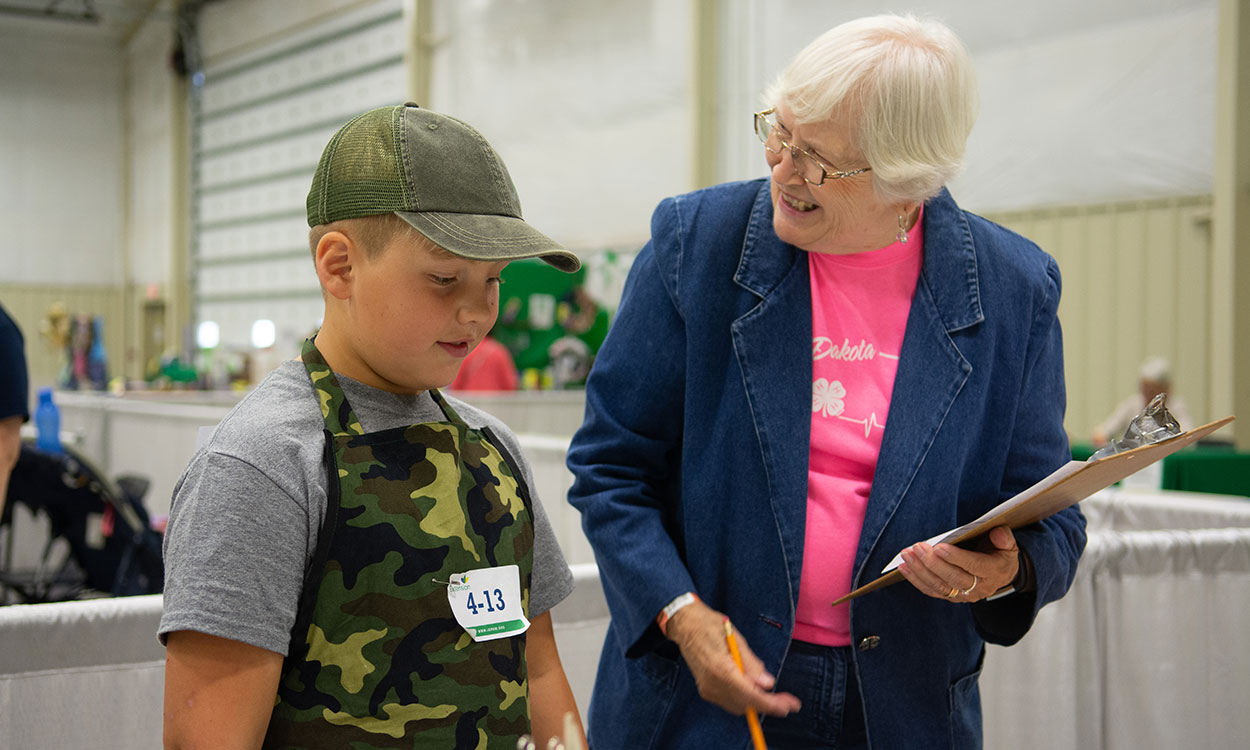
x=246 y=514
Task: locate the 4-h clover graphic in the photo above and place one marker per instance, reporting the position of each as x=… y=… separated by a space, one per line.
x=827 y=397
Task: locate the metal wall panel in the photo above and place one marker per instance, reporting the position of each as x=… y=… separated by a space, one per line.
x=1136 y=282
x=259 y=123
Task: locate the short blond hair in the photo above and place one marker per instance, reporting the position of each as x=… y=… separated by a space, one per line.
x=372 y=233
x=910 y=84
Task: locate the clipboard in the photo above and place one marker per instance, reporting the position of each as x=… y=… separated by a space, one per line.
x=1067 y=486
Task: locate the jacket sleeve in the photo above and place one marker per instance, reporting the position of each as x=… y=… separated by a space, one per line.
x=1038 y=446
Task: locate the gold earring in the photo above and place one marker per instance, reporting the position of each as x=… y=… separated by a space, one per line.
x=902 y=229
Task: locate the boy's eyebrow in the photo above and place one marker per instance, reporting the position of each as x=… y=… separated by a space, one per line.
x=433 y=248
x=441 y=252
x=444 y=254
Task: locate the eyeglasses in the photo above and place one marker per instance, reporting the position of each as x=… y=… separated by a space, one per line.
x=813 y=171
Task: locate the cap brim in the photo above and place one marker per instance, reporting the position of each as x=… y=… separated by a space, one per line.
x=490 y=238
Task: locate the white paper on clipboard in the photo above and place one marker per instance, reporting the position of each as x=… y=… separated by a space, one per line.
x=1049 y=481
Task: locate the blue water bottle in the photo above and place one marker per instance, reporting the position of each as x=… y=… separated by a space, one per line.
x=47 y=423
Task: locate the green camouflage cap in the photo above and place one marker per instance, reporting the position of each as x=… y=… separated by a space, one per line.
x=435 y=172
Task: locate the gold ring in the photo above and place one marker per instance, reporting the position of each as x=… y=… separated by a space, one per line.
x=954 y=593
x=975 y=581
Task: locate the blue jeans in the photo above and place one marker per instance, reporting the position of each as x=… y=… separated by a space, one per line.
x=832 y=717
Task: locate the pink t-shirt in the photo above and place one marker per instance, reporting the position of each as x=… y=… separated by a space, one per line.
x=859 y=313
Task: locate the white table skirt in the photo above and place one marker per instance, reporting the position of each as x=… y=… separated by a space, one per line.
x=1150 y=649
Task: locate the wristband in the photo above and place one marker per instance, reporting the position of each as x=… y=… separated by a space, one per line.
x=672 y=607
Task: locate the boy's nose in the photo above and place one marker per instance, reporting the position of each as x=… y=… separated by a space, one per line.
x=477 y=308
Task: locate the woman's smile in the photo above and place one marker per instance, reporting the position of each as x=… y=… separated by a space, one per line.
x=794 y=203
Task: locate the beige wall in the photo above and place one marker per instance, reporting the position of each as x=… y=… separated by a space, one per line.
x=61 y=140
x=1137 y=281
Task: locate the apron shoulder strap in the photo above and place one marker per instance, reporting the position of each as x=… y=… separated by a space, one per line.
x=338 y=414
x=448 y=412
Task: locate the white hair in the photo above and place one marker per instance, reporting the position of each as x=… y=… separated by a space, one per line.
x=911 y=85
x=1155 y=369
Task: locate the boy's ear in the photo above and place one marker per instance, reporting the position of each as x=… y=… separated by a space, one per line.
x=334 y=258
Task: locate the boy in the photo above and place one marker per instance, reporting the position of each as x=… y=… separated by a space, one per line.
x=344 y=547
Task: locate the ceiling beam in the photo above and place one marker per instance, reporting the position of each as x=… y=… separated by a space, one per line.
x=88 y=14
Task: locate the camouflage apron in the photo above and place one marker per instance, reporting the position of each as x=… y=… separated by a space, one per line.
x=377 y=659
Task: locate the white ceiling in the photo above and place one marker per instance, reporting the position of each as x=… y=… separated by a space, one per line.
x=982 y=24
x=986 y=25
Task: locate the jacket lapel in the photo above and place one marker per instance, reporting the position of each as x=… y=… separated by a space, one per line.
x=931 y=369
x=773 y=345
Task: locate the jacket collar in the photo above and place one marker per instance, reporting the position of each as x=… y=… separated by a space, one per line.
x=951 y=274
x=765 y=259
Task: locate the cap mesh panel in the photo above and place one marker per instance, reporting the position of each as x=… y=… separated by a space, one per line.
x=360 y=173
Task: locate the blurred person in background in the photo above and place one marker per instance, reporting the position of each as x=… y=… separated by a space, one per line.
x=14 y=399
x=1154 y=377
x=807 y=374
x=489 y=367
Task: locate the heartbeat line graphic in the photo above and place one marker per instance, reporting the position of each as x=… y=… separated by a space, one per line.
x=868 y=423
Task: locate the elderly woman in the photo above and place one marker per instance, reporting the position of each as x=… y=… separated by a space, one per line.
x=925 y=341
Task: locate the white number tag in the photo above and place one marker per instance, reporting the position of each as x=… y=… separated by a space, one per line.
x=487 y=602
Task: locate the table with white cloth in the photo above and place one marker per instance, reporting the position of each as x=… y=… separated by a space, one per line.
x=1150 y=649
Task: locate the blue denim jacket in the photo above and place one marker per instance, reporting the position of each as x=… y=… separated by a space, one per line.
x=691 y=466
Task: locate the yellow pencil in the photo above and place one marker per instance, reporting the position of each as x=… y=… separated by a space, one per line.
x=753 y=719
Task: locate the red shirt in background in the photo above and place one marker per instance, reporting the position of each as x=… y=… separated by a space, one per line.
x=489 y=367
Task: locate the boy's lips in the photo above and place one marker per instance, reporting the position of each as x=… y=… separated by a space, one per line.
x=456 y=348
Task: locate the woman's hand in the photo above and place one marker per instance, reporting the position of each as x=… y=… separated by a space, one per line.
x=699 y=632
x=961 y=575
